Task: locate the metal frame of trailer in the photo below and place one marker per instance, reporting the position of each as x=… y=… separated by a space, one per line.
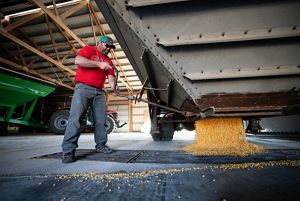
x=240 y=58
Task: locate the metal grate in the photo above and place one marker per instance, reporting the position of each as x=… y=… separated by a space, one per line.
x=176 y=157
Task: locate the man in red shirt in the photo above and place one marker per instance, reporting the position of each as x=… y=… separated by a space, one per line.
x=94 y=67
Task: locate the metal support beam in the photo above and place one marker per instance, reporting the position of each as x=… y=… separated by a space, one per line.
x=169 y=92
x=29 y=111
x=239 y=73
x=225 y=37
x=145 y=59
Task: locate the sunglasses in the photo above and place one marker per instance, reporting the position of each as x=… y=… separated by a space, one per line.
x=109 y=46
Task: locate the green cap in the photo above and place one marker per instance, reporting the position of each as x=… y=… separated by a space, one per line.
x=108 y=41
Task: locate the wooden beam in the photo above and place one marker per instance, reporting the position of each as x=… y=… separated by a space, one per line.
x=53 y=41
x=92 y=23
x=22 y=31
x=111 y=93
x=58 y=21
x=139 y=106
x=52 y=38
x=55 y=8
x=21 y=56
x=73 y=10
x=94 y=14
x=32 y=49
x=33 y=61
x=138 y=115
x=36 y=10
x=107 y=98
x=67 y=54
x=40 y=49
x=14 y=54
x=23 y=20
x=66 y=37
x=125 y=102
x=130 y=115
x=24 y=68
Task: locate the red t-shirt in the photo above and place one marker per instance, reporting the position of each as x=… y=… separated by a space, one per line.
x=93 y=76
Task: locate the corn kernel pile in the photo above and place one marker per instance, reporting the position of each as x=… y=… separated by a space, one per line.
x=221 y=136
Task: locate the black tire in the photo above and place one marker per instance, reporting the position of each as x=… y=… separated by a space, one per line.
x=166 y=132
x=110 y=124
x=58 y=121
x=189 y=126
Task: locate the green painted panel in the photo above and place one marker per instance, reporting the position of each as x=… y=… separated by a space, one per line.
x=17 y=90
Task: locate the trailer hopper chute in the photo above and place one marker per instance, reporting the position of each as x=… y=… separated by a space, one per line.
x=218 y=58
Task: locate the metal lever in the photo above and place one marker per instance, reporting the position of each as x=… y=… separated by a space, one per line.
x=204 y=113
x=140 y=94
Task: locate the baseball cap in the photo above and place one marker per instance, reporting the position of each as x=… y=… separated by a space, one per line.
x=108 y=41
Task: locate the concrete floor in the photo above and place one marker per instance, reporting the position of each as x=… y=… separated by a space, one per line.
x=16 y=152
x=18 y=169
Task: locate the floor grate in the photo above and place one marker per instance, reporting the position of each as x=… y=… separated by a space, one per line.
x=175 y=157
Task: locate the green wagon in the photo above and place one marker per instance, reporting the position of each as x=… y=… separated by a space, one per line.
x=19 y=94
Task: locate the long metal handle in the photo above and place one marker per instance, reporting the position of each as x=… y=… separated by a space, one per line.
x=207 y=112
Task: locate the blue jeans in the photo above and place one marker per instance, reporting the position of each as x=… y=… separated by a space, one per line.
x=85 y=96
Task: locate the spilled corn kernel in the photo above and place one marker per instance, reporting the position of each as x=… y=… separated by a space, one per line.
x=290 y=163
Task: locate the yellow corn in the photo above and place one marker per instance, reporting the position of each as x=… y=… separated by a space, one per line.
x=221 y=136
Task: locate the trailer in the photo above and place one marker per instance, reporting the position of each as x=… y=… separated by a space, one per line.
x=210 y=58
x=19 y=95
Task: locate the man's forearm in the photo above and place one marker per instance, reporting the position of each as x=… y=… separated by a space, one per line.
x=86 y=63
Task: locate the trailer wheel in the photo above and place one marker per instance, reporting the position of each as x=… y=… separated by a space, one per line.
x=58 y=121
x=110 y=124
x=166 y=132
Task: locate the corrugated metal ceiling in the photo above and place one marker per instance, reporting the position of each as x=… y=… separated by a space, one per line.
x=42 y=33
